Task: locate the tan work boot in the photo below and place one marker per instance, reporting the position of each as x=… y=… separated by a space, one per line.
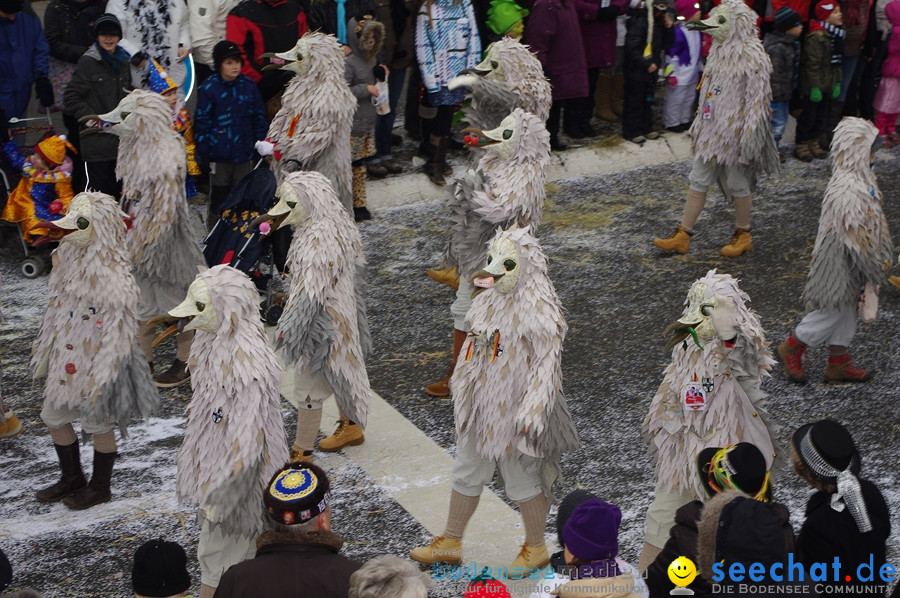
x=740 y=242
x=441 y=388
x=441 y=550
x=817 y=151
x=680 y=241
x=840 y=369
x=790 y=353
x=301 y=456
x=530 y=558
x=801 y=151
x=345 y=434
x=12 y=427
x=447 y=276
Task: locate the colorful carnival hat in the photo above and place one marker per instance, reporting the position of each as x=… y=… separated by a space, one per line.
x=297 y=494
x=52 y=150
x=160 y=81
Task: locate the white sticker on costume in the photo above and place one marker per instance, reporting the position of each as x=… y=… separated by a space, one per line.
x=693 y=397
x=707 y=110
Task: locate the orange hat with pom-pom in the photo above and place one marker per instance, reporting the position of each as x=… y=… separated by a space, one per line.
x=53 y=150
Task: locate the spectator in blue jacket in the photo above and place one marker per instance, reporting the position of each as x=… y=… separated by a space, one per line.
x=24 y=59
x=229 y=120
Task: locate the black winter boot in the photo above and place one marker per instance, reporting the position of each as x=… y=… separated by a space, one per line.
x=436 y=166
x=97 y=491
x=72 y=478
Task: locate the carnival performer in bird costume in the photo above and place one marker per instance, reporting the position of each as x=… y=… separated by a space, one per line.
x=731 y=135
x=164 y=249
x=506 y=187
x=87 y=347
x=316 y=115
x=45 y=189
x=852 y=253
x=509 y=77
x=508 y=401
x=234 y=441
x=710 y=396
x=323 y=330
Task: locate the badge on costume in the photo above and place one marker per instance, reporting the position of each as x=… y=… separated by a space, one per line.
x=693 y=396
x=707 y=110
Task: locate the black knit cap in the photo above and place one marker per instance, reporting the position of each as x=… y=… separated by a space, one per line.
x=225 y=49
x=160 y=569
x=567 y=506
x=107 y=24
x=11 y=6
x=297 y=494
x=786 y=19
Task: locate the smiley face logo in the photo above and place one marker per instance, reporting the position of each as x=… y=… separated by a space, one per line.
x=682 y=571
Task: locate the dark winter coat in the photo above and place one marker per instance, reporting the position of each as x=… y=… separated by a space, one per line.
x=96 y=88
x=229 y=120
x=24 y=57
x=683 y=542
x=322 y=14
x=780 y=48
x=259 y=26
x=399 y=18
x=598 y=37
x=827 y=533
x=553 y=33
x=636 y=64
x=291 y=565
x=68 y=26
x=816 y=69
x=359 y=75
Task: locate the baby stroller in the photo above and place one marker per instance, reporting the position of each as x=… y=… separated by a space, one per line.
x=36 y=261
x=235 y=242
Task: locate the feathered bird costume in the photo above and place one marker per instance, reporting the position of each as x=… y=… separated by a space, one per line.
x=316 y=115
x=710 y=394
x=733 y=125
x=852 y=253
x=324 y=330
x=509 y=77
x=151 y=163
x=87 y=346
x=234 y=440
x=506 y=187
x=507 y=385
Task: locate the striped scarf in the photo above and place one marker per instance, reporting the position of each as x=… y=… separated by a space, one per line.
x=837 y=41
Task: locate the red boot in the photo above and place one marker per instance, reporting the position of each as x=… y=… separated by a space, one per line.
x=840 y=369
x=790 y=353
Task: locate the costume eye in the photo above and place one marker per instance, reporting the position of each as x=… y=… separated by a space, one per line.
x=82 y=223
x=494 y=64
x=507 y=133
x=509 y=265
x=722 y=20
x=490 y=259
x=706 y=309
x=291 y=204
x=200 y=306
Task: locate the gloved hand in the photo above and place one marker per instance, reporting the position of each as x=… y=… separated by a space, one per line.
x=722 y=316
x=265 y=148
x=815 y=95
x=608 y=13
x=44 y=91
x=836 y=91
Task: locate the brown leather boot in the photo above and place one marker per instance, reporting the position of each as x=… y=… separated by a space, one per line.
x=72 y=478
x=790 y=353
x=441 y=388
x=175 y=375
x=840 y=369
x=801 y=151
x=741 y=241
x=346 y=434
x=97 y=491
x=680 y=241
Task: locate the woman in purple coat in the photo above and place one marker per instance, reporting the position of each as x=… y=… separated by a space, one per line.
x=553 y=33
x=598 y=36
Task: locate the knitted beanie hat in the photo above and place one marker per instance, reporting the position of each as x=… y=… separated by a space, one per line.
x=592 y=532
x=567 y=506
x=107 y=24
x=160 y=81
x=824 y=9
x=786 y=19
x=52 y=150
x=686 y=8
x=297 y=494
x=160 y=569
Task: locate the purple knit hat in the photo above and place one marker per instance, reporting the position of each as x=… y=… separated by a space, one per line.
x=592 y=531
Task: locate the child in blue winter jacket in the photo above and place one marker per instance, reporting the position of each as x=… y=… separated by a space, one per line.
x=229 y=120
